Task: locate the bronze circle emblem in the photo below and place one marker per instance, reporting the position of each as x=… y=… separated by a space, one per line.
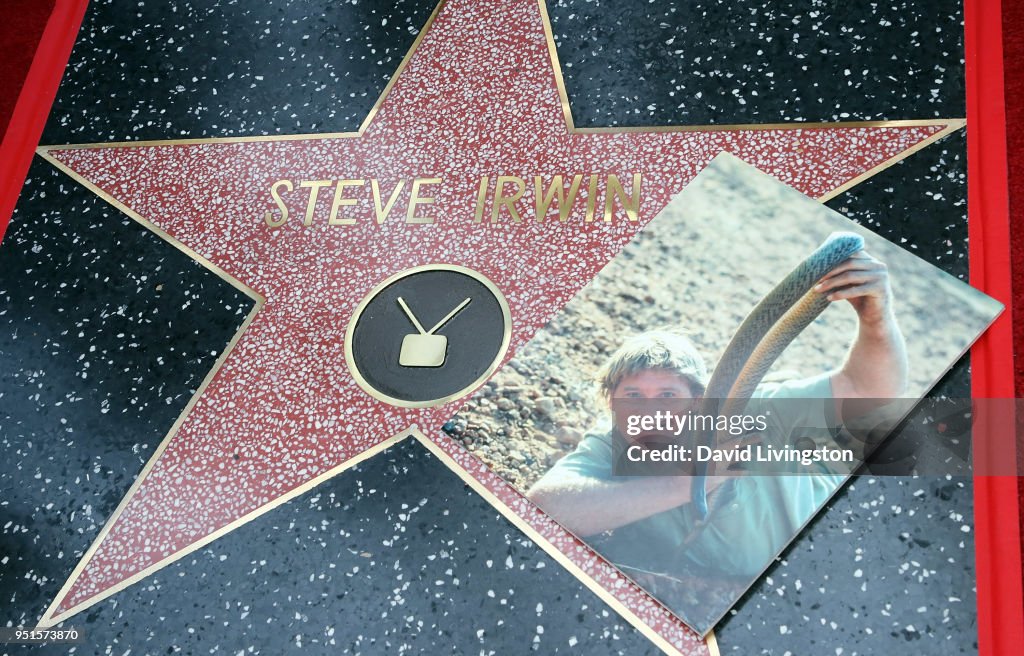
x=428 y=335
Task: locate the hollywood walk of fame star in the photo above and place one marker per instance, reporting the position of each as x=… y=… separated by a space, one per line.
x=479 y=95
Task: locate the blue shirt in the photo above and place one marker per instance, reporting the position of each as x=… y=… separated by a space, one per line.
x=754 y=517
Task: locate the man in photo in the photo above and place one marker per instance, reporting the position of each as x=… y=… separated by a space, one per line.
x=648 y=522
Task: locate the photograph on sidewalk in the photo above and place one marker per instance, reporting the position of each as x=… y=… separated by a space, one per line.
x=742 y=295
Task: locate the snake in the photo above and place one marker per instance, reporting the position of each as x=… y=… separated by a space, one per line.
x=762 y=337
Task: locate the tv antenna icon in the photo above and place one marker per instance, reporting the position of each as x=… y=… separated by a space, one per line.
x=424 y=348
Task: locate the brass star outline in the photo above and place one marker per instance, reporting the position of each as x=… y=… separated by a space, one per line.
x=51 y=617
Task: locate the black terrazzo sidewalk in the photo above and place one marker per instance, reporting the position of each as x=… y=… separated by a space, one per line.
x=105 y=331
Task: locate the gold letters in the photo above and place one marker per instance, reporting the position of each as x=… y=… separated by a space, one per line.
x=549 y=193
x=630 y=203
x=382 y=212
x=415 y=200
x=591 y=199
x=556 y=189
x=509 y=202
x=275 y=193
x=555 y=194
x=314 y=191
x=340 y=201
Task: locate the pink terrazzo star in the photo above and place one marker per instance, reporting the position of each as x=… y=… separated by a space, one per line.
x=479 y=96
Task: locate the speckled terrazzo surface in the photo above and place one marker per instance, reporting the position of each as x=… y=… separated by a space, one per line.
x=157 y=321
x=389 y=558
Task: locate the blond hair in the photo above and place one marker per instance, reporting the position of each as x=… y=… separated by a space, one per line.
x=663 y=350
